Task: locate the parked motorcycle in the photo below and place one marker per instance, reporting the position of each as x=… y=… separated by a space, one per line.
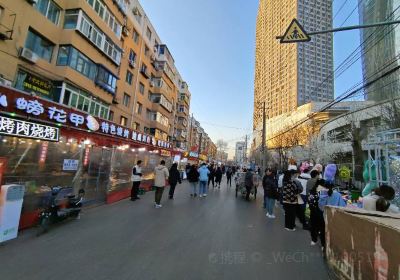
x=61 y=204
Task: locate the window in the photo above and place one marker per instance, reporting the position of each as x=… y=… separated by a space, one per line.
x=146 y=51
x=71 y=19
x=49 y=9
x=111 y=116
x=136 y=126
x=83 y=101
x=101 y=9
x=135 y=36
x=69 y=56
x=129 y=77
x=39 y=45
x=148 y=33
x=138 y=108
x=106 y=80
x=123 y=121
x=127 y=100
x=181 y=109
x=132 y=56
x=141 y=88
x=146 y=130
x=94 y=34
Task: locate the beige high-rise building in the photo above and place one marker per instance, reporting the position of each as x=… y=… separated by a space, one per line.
x=289 y=75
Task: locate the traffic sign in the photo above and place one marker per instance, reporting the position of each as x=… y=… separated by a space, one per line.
x=295 y=33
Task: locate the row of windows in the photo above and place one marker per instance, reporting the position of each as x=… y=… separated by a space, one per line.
x=82 y=101
x=69 y=56
x=52 y=12
x=101 y=9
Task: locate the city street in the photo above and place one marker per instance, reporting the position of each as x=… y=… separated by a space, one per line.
x=220 y=237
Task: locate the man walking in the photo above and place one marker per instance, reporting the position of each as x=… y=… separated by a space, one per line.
x=136 y=179
x=204 y=172
x=211 y=176
x=229 y=177
x=160 y=178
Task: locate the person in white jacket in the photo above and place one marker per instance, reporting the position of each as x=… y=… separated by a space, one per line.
x=136 y=179
x=161 y=175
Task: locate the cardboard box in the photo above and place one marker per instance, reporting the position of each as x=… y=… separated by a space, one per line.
x=362 y=244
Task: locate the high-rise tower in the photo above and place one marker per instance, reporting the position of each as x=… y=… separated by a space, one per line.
x=290 y=75
x=381 y=47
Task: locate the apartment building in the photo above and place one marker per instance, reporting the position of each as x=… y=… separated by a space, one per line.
x=200 y=142
x=290 y=75
x=101 y=57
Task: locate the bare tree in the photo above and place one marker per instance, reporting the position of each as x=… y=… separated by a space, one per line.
x=391 y=114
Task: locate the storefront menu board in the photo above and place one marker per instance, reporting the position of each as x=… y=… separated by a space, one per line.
x=11 y=198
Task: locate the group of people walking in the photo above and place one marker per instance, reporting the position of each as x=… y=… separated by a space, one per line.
x=294 y=189
x=162 y=178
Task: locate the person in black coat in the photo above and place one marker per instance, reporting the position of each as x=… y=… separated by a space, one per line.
x=193 y=178
x=270 y=192
x=218 y=176
x=211 y=176
x=229 y=177
x=174 y=178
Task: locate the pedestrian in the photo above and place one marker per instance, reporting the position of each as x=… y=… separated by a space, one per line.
x=174 y=179
x=270 y=192
x=229 y=177
x=248 y=182
x=204 y=173
x=330 y=197
x=290 y=199
x=218 y=177
x=303 y=199
x=193 y=178
x=160 y=181
x=136 y=180
x=211 y=175
x=312 y=181
x=375 y=200
x=317 y=223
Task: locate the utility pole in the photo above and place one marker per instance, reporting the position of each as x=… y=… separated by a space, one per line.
x=245 y=150
x=263 y=129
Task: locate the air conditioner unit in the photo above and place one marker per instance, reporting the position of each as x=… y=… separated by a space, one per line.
x=125 y=31
x=135 y=11
x=28 y=55
x=32 y=1
x=5 y=82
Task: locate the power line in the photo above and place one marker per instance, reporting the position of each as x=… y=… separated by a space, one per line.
x=343 y=97
x=340 y=9
x=352 y=12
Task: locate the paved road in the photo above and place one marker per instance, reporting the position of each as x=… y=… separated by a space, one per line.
x=219 y=237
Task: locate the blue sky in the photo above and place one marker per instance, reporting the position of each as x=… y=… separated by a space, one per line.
x=213 y=44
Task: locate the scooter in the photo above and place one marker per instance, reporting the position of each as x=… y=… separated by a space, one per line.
x=61 y=205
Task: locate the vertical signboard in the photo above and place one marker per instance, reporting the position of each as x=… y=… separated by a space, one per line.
x=11 y=198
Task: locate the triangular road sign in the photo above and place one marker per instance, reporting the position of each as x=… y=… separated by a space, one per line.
x=295 y=33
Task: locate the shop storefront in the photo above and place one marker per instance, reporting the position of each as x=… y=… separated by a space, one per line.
x=44 y=144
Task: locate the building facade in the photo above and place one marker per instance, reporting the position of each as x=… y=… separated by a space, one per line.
x=289 y=75
x=87 y=88
x=240 y=150
x=381 y=48
x=200 y=142
x=100 y=57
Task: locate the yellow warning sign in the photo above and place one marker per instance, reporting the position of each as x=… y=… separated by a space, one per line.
x=295 y=33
